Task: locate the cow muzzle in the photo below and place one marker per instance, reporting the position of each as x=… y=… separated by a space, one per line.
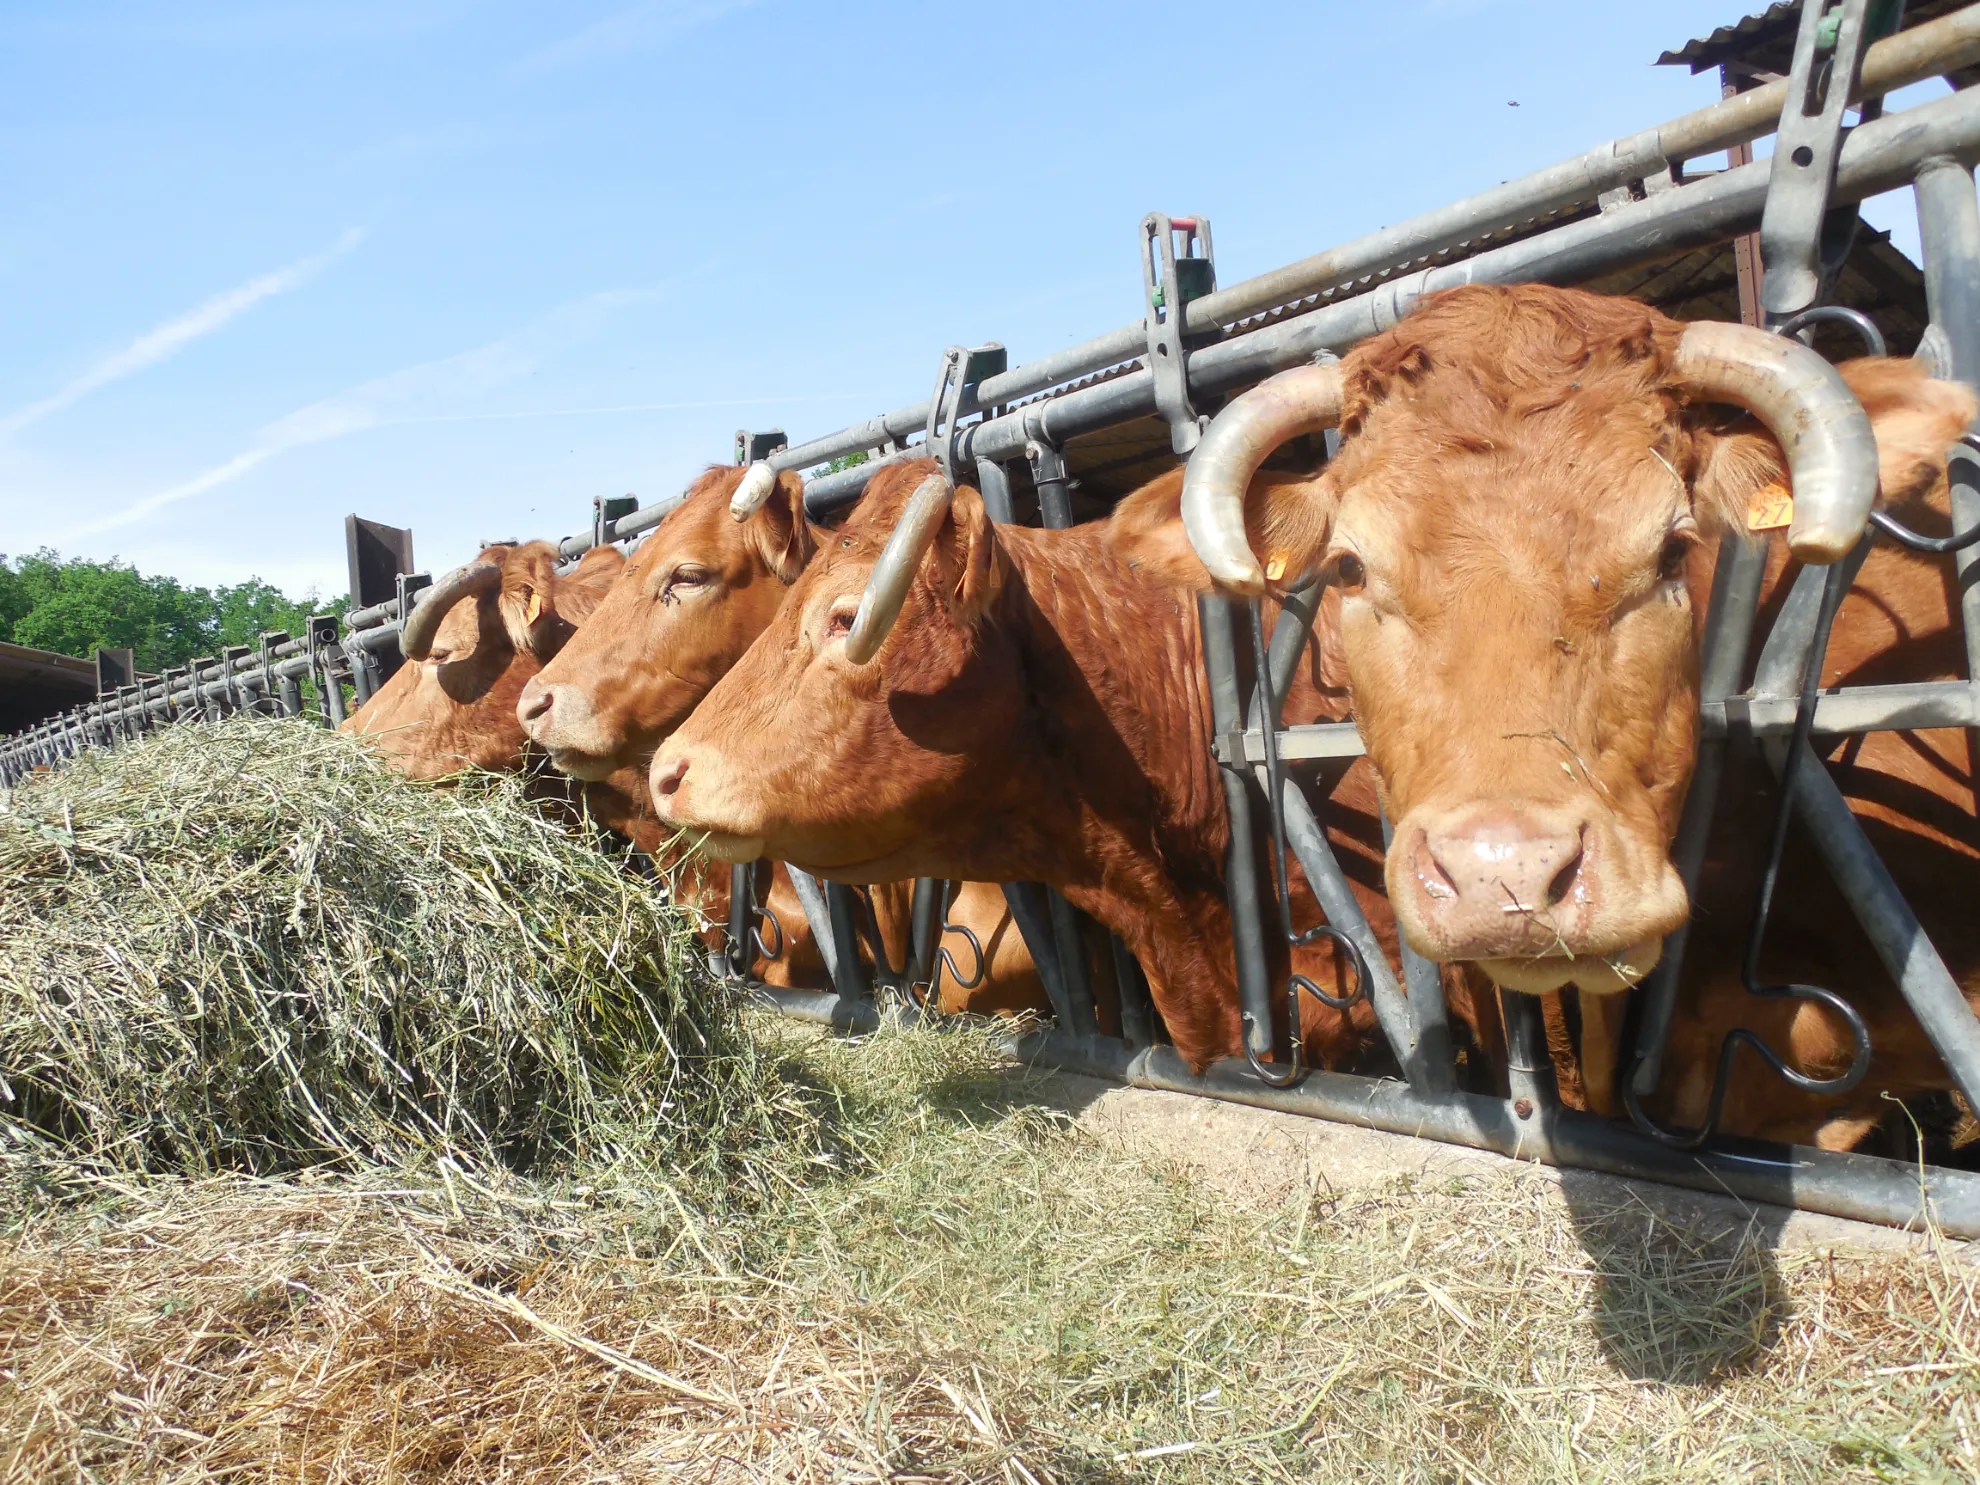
x=1539 y=895
x=559 y=718
x=689 y=794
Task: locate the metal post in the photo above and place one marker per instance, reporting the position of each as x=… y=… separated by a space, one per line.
x=1729 y=620
x=1529 y=1067
x=1216 y=616
x=849 y=975
x=1073 y=974
x=1949 y=225
x=1027 y=902
x=1137 y=1008
x=812 y=897
x=924 y=931
x=742 y=894
x=1048 y=475
x=995 y=486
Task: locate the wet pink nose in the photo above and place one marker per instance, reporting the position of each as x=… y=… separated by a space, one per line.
x=1499 y=880
x=535 y=704
x=667 y=777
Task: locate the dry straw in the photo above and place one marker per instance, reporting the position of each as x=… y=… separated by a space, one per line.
x=246 y=947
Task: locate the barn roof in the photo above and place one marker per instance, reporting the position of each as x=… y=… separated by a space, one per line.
x=1764 y=42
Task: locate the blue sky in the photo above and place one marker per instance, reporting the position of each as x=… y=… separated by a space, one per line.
x=464 y=264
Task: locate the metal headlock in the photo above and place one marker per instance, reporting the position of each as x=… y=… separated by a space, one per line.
x=1623 y=204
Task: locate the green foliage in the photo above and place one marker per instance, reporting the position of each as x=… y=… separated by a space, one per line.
x=845 y=461
x=74 y=606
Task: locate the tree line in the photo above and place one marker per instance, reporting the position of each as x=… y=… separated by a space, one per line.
x=74 y=607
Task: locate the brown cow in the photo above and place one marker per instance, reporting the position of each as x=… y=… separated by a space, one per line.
x=1521 y=530
x=472 y=647
x=693 y=597
x=1038 y=711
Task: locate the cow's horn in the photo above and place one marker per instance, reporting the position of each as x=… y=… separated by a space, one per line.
x=1238 y=440
x=753 y=491
x=417 y=631
x=886 y=588
x=1808 y=407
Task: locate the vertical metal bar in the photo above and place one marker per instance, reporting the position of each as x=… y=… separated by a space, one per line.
x=1072 y=966
x=742 y=891
x=1308 y=839
x=1137 y=1009
x=289 y=690
x=850 y=975
x=811 y=895
x=1729 y=620
x=924 y=932
x=1048 y=475
x=1949 y=227
x=1241 y=865
x=333 y=693
x=1888 y=921
x=1027 y=902
x=1529 y=1067
x=1434 y=1069
x=995 y=486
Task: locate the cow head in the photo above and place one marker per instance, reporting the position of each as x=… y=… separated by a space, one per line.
x=1521 y=526
x=689 y=602
x=827 y=744
x=479 y=634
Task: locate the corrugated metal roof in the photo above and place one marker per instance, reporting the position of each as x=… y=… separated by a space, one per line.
x=1765 y=42
x=1742 y=35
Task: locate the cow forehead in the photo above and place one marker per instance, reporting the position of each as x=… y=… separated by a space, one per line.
x=700 y=527
x=1456 y=458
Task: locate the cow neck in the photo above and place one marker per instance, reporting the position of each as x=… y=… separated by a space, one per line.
x=1094 y=632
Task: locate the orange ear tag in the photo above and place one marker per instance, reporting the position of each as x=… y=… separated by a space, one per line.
x=1275 y=569
x=1770 y=508
x=533 y=609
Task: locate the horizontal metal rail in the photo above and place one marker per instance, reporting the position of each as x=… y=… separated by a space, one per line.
x=1864 y=1188
x=1878 y=155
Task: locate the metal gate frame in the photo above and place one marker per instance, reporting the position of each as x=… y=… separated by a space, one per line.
x=1209 y=342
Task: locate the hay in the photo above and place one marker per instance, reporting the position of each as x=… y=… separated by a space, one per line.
x=581 y=1222
x=985 y=1294
x=247 y=947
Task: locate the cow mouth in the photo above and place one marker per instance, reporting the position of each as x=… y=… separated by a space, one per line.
x=1594 y=974
x=589 y=767
x=721 y=845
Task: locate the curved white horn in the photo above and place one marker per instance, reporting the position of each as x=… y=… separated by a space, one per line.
x=887 y=586
x=1808 y=407
x=417 y=630
x=1238 y=440
x=753 y=491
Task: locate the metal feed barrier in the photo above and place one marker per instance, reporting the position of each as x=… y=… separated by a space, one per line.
x=1624 y=204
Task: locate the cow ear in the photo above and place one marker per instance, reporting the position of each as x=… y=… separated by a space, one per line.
x=1916 y=420
x=583 y=588
x=529 y=601
x=1288 y=518
x=783 y=537
x=968 y=563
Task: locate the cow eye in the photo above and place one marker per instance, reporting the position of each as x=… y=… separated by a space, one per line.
x=683 y=579
x=1670 y=561
x=839 y=623
x=1348 y=572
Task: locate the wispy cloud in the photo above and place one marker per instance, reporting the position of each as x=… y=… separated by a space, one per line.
x=636 y=27
x=430 y=392
x=167 y=340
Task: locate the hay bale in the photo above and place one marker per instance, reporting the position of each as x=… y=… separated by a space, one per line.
x=246 y=946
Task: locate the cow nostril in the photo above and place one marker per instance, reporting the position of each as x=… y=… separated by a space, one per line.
x=668 y=779
x=1564 y=879
x=536 y=706
x=1436 y=880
